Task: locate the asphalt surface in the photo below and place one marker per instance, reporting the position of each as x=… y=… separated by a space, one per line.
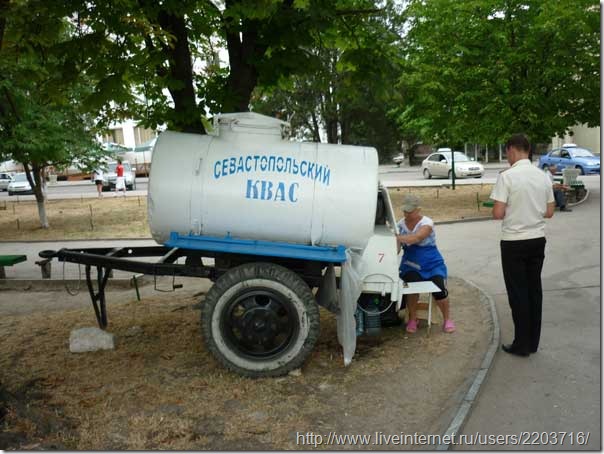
x=551 y=400
x=389 y=175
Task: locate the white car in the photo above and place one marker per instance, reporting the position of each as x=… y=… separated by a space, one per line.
x=5 y=179
x=439 y=165
x=110 y=177
x=19 y=185
x=399 y=159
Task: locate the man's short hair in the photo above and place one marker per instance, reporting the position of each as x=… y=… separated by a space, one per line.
x=520 y=142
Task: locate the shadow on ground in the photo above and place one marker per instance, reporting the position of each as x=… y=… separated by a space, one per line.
x=161 y=389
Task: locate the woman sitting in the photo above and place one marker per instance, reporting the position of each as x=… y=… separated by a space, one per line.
x=422 y=261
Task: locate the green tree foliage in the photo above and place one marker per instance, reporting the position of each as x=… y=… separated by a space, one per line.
x=479 y=70
x=158 y=62
x=41 y=120
x=348 y=90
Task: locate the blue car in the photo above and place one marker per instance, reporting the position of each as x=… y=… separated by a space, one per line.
x=571 y=156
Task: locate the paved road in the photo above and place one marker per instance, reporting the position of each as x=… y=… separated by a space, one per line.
x=389 y=174
x=77 y=189
x=557 y=389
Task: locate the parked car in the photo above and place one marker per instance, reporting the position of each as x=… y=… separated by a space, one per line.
x=109 y=176
x=399 y=159
x=439 y=165
x=571 y=156
x=19 y=185
x=5 y=179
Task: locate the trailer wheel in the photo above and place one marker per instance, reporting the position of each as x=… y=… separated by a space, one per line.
x=260 y=320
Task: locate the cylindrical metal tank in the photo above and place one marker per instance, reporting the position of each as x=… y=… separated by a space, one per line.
x=247 y=182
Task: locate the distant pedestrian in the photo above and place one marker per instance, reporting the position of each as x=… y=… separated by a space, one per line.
x=523 y=197
x=97 y=176
x=120 y=181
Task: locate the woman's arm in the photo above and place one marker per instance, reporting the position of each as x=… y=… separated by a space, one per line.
x=412 y=238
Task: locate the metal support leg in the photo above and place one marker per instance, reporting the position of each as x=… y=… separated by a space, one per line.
x=45 y=268
x=429 y=313
x=98 y=298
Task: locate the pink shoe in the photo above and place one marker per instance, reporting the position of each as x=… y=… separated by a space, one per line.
x=411 y=326
x=449 y=326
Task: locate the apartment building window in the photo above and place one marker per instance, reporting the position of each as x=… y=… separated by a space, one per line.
x=142 y=135
x=115 y=135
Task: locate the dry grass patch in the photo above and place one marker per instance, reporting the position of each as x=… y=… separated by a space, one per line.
x=161 y=388
x=445 y=204
x=109 y=217
x=113 y=217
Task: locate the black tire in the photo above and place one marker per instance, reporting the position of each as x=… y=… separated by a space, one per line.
x=11 y=193
x=129 y=188
x=581 y=169
x=260 y=320
x=427 y=174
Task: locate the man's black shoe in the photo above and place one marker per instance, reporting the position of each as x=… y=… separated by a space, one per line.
x=568 y=210
x=509 y=348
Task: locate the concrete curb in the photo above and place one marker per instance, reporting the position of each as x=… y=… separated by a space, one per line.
x=466 y=404
x=71 y=284
x=81 y=240
x=459 y=221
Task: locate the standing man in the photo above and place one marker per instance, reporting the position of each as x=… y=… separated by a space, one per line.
x=120 y=182
x=523 y=197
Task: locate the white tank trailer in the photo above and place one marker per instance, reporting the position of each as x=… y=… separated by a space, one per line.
x=277 y=217
x=250 y=183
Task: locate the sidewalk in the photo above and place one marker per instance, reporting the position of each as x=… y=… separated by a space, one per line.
x=558 y=388
x=28 y=270
x=389 y=168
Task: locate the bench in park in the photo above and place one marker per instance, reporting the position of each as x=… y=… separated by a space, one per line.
x=9 y=260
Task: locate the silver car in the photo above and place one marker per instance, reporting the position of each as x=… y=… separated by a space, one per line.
x=5 y=179
x=110 y=176
x=19 y=185
x=439 y=165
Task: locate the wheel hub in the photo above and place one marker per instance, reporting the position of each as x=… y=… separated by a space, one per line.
x=259 y=323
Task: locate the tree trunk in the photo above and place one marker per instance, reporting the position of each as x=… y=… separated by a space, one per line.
x=42 y=212
x=4 y=5
x=243 y=49
x=316 y=133
x=188 y=115
x=36 y=178
x=345 y=128
x=332 y=131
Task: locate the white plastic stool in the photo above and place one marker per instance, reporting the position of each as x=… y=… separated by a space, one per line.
x=411 y=288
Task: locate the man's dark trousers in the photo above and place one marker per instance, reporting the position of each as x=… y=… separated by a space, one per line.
x=522 y=262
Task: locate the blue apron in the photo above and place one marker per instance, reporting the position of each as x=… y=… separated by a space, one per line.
x=424 y=260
